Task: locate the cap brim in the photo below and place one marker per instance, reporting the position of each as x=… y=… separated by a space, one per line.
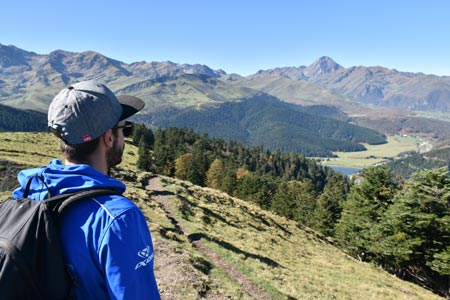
x=130 y=105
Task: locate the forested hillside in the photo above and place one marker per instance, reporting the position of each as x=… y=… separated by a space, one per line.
x=413 y=162
x=399 y=224
x=13 y=119
x=266 y=121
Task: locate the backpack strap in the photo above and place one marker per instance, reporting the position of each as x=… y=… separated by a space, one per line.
x=28 y=186
x=76 y=196
x=62 y=201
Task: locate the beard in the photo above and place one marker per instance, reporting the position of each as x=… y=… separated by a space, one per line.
x=114 y=155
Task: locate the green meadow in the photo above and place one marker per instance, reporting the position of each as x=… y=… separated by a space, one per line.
x=376 y=154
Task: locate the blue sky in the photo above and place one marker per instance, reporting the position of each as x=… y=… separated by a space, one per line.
x=239 y=36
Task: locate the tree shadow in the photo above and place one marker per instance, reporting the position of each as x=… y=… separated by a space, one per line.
x=198 y=236
x=162 y=193
x=186 y=207
x=176 y=226
x=209 y=212
x=270 y=223
x=171 y=234
x=281 y=227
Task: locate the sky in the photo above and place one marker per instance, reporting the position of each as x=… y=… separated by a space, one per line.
x=239 y=36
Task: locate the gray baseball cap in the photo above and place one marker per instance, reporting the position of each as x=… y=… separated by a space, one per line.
x=86 y=110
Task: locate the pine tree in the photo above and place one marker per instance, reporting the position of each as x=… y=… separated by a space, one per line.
x=257 y=189
x=199 y=164
x=143 y=161
x=414 y=234
x=167 y=148
x=139 y=131
x=228 y=184
x=365 y=205
x=296 y=200
x=329 y=205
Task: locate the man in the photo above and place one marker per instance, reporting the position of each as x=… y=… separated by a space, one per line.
x=106 y=240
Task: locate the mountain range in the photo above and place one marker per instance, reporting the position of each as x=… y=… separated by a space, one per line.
x=384 y=100
x=372 y=85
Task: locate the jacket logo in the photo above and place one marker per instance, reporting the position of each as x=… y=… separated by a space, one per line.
x=146 y=255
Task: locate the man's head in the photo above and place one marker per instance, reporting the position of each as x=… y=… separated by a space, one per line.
x=81 y=113
x=86 y=110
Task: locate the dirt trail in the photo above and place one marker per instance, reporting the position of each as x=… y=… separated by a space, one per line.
x=250 y=287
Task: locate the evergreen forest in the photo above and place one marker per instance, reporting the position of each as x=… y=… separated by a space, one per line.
x=413 y=162
x=400 y=224
x=13 y=119
x=264 y=120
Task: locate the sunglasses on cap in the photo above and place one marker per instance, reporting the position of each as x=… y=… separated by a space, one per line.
x=127 y=128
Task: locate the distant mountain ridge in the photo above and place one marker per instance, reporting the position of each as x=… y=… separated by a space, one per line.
x=324 y=65
x=372 y=85
x=28 y=79
x=23 y=72
x=88 y=62
x=365 y=96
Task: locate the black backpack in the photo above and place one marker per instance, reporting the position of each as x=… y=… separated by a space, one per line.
x=31 y=261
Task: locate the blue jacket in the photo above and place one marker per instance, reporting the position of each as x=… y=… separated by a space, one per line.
x=106 y=240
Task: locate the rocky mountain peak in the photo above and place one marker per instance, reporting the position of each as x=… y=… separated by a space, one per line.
x=12 y=56
x=321 y=66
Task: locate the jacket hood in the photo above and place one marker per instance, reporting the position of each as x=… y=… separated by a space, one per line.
x=57 y=178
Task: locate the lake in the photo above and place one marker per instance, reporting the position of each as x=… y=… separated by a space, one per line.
x=345 y=170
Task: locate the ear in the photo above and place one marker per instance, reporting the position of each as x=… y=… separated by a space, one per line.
x=108 y=138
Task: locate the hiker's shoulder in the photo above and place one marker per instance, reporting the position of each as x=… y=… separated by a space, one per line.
x=116 y=205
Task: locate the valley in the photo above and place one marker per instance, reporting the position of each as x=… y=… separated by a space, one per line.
x=376 y=154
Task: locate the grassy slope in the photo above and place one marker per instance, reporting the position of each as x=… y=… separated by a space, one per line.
x=181 y=92
x=288 y=261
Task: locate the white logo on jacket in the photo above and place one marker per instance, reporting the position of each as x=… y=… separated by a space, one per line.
x=146 y=255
